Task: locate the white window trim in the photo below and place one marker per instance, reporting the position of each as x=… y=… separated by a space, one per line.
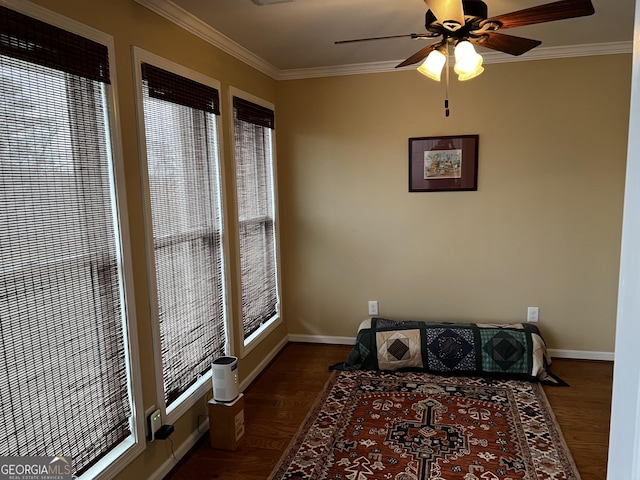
x=194 y=393
x=127 y=451
x=265 y=330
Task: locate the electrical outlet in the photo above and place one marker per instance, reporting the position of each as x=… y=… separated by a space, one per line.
x=373 y=307
x=532 y=314
x=154 y=422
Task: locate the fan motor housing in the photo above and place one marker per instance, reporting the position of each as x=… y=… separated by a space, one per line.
x=474 y=11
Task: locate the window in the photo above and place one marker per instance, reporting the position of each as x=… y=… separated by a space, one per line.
x=255 y=182
x=64 y=359
x=181 y=135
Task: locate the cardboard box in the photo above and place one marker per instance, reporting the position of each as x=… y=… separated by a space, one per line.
x=226 y=423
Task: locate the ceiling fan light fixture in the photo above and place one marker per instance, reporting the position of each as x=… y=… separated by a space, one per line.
x=433 y=64
x=468 y=61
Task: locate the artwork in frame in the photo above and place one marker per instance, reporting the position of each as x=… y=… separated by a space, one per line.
x=440 y=164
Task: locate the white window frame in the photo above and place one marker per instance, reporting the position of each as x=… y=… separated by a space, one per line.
x=247 y=345
x=121 y=456
x=193 y=394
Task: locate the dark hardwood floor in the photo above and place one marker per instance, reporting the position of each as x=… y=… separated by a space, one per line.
x=278 y=401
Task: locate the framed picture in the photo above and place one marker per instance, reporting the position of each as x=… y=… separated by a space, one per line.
x=439 y=164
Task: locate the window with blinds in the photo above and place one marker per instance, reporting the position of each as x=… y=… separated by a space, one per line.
x=64 y=370
x=181 y=130
x=253 y=129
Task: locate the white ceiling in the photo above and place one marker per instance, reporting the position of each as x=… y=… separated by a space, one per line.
x=300 y=34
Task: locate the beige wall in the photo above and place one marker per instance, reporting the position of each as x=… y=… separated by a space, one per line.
x=542 y=230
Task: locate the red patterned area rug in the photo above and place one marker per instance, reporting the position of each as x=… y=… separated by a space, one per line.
x=416 y=426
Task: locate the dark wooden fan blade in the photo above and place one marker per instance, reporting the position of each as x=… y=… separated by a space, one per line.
x=549 y=12
x=506 y=43
x=419 y=55
x=409 y=35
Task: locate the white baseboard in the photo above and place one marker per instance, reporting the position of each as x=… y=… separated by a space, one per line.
x=322 y=339
x=181 y=451
x=581 y=354
x=557 y=353
x=262 y=365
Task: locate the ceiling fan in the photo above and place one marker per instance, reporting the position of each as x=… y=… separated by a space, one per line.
x=464 y=23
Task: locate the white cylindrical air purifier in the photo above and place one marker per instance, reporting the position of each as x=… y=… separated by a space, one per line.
x=224 y=376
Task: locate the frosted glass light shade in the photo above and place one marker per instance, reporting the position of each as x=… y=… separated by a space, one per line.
x=468 y=76
x=468 y=61
x=432 y=66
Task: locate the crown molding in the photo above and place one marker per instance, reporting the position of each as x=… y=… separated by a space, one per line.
x=182 y=18
x=337 y=70
x=568 y=51
x=547 y=53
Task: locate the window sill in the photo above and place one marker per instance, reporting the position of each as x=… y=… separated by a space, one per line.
x=259 y=335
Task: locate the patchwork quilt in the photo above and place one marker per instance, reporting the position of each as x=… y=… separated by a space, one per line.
x=516 y=350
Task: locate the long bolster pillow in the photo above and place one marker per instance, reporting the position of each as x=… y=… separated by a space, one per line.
x=515 y=350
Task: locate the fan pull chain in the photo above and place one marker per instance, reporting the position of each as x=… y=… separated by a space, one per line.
x=446 y=95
